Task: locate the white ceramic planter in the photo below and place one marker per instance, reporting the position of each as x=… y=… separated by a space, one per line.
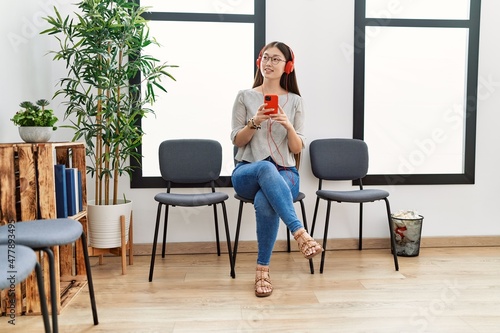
x=104 y=229
x=35 y=134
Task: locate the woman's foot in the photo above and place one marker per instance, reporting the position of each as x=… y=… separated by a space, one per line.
x=263 y=286
x=307 y=245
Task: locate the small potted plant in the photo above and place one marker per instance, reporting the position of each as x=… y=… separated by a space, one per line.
x=35 y=122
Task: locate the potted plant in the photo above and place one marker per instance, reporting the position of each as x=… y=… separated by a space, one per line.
x=35 y=122
x=103 y=45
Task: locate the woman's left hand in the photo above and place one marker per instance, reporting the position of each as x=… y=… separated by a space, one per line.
x=281 y=118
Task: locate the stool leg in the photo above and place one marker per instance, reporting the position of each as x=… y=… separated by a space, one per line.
x=43 y=298
x=123 y=248
x=53 y=291
x=131 y=241
x=89 y=278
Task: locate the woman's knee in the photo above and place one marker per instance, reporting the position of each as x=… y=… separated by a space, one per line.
x=266 y=169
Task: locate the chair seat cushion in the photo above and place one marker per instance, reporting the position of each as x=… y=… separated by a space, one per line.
x=300 y=196
x=367 y=195
x=191 y=200
x=246 y=200
x=19 y=262
x=44 y=233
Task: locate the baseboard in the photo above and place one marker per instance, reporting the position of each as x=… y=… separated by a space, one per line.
x=333 y=244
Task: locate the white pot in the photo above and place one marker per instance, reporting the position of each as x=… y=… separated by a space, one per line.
x=104 y=228
x=35 y=134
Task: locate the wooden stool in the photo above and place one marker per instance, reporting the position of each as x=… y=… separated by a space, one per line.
x=17 y=263
x=41 y=235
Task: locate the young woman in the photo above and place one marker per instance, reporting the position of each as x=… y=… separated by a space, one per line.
x=266 y=144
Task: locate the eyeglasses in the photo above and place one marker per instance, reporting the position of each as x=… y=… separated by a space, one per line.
x=274 y=60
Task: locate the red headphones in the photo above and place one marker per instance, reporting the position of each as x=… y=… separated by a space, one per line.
x=288 y=65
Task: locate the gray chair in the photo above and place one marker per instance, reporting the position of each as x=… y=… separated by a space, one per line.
x=341 y=160
x=41 y=235
x=17 y=262
x=190 y=162
x=300 y=199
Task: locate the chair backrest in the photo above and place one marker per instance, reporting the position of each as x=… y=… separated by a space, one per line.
x=339 y=159
x=190 y=160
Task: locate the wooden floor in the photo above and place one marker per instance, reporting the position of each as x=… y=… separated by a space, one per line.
x=442 y=290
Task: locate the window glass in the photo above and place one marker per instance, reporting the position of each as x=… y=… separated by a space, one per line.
x=202 y=6
x=215 y=61
x=415 y=92
x=415 y=89
x=418 y=9
x=214 y=44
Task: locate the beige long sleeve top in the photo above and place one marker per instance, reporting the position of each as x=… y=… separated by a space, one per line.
x=271 y=140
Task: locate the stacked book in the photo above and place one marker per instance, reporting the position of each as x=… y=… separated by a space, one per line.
x=68 y=183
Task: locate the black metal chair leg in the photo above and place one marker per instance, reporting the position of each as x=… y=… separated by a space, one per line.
x=314 y=216
x=304 y=218
x=43 y=298
x=391 y=233
x=325 y=237
x=288 y=248
x=237 y=235
x=53 y=287
x=90 y=282
x=360 y=241
x=228 y=240
x=155 y=241
x=165 y=224
x=216 y=222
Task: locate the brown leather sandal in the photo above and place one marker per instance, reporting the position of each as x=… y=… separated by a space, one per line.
x=306 y=243
x=262 y=281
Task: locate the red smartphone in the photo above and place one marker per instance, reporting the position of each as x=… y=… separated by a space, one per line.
x=272 y=102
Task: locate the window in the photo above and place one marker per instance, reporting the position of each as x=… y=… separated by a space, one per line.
x=415 y=89
x=215 y=44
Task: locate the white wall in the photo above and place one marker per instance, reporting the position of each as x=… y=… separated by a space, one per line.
x=320 y=32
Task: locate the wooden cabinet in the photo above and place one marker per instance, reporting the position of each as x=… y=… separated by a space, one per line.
x=27 y=192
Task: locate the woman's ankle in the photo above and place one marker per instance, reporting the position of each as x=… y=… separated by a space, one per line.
x=299 y=231
x=262 y=267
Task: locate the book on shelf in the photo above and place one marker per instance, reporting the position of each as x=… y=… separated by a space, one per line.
x=72 y=189
x=80 y=191
x=68 y=185
x=61 y=192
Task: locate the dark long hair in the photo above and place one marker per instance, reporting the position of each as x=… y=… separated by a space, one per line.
x=287 y=81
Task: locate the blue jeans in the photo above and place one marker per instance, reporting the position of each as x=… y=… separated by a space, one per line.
x=272 y=189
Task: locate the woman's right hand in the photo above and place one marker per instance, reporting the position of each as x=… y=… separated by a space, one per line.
x=260 y=116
